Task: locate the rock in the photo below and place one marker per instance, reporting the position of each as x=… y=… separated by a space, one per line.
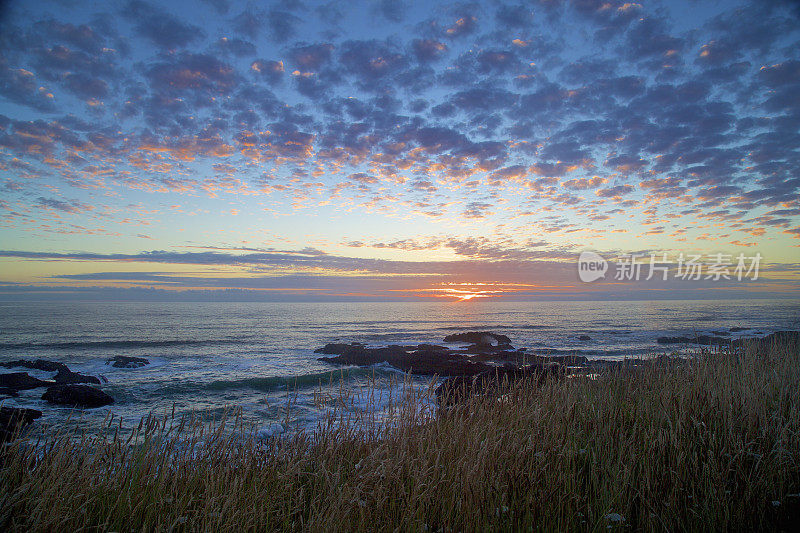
x=37 y=364
x=494 y=354
x=357 y=354
x=737 y=329
x=673 y=340
x=77 y=396
x=479 y=337
x=22 y=381
x=434 y=347
x=124 y=361
x=6 y=391
x=456 y=389
x=429 y=364
x=500 y=350
x=14 y=420
x=584 y=338
x=423 y=359
x=336 y=348
x=63 y=374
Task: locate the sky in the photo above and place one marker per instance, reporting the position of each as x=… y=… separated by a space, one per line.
x=397 y=150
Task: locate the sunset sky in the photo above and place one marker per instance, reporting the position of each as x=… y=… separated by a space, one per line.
x=394 y=149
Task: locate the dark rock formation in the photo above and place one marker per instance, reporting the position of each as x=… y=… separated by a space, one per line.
x=479 y=337
x=77 y=396
x=22 y=381
x=423 y=359
x=37 y=364
x=15 y=419
x=63 y=375
x=123 y=361
x=584 y=338
x=737 y=329
x=336 y=348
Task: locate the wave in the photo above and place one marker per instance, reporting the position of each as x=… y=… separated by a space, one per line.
x=276 y=383
x=77 y=345
x=490 y=327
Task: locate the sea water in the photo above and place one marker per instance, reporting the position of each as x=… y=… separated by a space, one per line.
x=260 y=356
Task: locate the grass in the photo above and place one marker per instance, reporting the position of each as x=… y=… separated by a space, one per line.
x=713 y=444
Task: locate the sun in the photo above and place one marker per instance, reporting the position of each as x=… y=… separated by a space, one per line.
x=463 y=292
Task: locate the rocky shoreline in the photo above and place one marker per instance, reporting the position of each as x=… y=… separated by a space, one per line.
x=478 y=361
x=490 y=358
x=65 y=388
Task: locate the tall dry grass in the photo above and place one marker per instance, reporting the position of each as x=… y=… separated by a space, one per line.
x=713 y=444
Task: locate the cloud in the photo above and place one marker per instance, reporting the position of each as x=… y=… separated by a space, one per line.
x=428 y=49
x=615 y=192
x=19 y=86
x=490 y=115
x=236 y=47
x=160 y=27
x=392 y=10
x=311 y=57
x=464 y=25
x=188 y=71
x=477 y=210
x=282 y=25
x=64 y=206
x=272 y=71
x=580 y=184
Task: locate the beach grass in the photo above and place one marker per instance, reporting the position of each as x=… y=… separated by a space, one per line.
x=712 y=443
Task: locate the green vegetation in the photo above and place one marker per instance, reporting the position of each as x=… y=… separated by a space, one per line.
x=710 y=444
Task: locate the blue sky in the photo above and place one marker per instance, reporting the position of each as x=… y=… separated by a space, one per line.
x=385 y=149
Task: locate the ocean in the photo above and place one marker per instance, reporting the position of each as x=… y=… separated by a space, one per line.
x=210 y=357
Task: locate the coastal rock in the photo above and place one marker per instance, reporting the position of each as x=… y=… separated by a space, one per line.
x=479 y=337
x=77 y=396
x=673 y=340
x=15 y=419
x=22 y=381
x=737 y=329
x=124 y=361
x=456 y=389
x=37 y=364
x=337 y=348
x=423 y=359
x=6 y=391
x=63 y=375
x=500 y=350
x=584 y=338
x=429 y=364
